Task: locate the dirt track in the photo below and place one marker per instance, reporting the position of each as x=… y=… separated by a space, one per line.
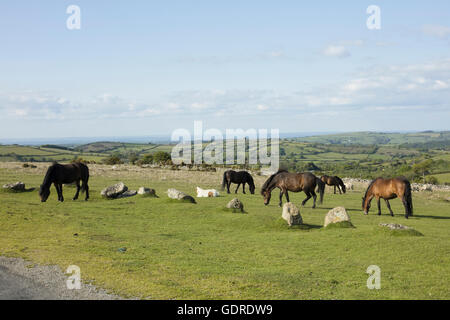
x=22 y=280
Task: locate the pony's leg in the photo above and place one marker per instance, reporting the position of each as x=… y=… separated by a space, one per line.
x=228 y=186
x=334 y=189
x=287 y=196
x=281 y=198
x=87 y=191
x=78 y=190
x=239 y=184
x=389 y=207
x=243 y=187
x=61 y=190
x=379 y=206
x=405 y=204
x=315 y=198
x=339 y=189
x=57 y=191
x=308 y=196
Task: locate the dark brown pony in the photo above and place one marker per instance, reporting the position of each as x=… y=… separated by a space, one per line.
x=388 y=189
x=241 y=177
x=294 y=182
x=59 y=174
x=334 y=181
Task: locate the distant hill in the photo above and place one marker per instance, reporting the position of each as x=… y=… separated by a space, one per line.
x=378 y=138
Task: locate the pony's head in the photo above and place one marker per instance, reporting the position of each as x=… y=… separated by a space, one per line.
x=365 y=207
x=267 y=194
x=367 y=198
x=252 y=189
x=251 y=185
x=44 y=193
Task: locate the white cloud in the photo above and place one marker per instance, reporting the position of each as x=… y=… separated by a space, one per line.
x=336 y=51
x=396 y=87
x=438 y=31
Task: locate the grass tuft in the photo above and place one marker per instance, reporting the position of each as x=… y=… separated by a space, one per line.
x=340 y=225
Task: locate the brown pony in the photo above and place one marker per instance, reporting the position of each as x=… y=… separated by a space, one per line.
x=294 y=182
x=334 y=181
x=388 y=189
x=59 y=174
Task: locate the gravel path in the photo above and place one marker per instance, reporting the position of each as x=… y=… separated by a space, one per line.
x=22 y=280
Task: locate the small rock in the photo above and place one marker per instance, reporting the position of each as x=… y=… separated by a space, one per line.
x=147 y=191
x=179 y=195
x=236 y=204
x=291 y=214
x=394 y=226
x=336 y=215
x=122 y=250
x=18 y=186
x=113 y=192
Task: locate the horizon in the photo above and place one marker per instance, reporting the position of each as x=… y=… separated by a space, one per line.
x=166 y=138
x=145 y=67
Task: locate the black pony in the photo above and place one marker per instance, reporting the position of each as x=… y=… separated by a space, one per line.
x=241 y=177
x=63 y=174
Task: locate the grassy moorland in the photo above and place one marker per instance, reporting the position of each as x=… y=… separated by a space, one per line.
x=184 y=251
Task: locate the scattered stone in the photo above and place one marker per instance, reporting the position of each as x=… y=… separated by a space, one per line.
x=122 y=250
x=236 y=204
x=336 y=215
x=113 y=192
x=127 y=194
x=394 y=226
x=400 y=230
x=147 y=191
x=179 y=195
x=291 y=214
x=18 y=186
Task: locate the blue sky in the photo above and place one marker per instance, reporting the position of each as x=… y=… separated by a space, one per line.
x=149 y=67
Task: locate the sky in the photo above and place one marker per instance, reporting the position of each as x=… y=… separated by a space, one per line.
x=143 y=68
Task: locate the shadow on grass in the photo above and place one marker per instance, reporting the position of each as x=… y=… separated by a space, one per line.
x=280 y=223
x=348 y=209
x=431 y=217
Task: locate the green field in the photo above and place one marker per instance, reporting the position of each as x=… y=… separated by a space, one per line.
x=184 y=251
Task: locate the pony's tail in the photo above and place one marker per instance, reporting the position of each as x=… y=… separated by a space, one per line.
x=224 y=181
x=342 y=184
x=321 y=189
x=408 y=198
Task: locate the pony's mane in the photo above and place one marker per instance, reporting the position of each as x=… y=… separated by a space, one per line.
x=266 y=184
x=250 y=178
x=368 y=188
x=340 y=181
x=49 y=173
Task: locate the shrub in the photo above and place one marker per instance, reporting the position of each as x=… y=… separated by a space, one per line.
x=112 y=160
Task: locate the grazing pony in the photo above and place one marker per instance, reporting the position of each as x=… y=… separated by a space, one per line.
x=201 y=193
x=294 y=182
x=388 y=189
x=334 y=181
x=241 y=177
x=59 y=174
